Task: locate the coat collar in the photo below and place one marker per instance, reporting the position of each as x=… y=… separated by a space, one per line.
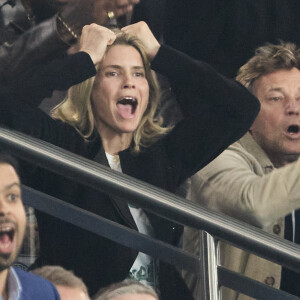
x=251 y=146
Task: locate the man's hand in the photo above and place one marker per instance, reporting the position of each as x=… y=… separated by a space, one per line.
x=94 y=40
x=118 y=7
x=143 y=32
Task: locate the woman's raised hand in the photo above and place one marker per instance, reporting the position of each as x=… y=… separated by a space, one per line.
x=143 y=32
x=94 y=40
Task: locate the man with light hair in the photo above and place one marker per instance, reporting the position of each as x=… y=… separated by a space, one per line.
x=257 y=179
x=127 y=290
x=69 y=286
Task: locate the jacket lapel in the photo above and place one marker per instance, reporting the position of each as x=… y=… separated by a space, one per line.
x=120 y=205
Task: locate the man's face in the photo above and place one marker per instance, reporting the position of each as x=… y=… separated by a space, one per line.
x=12 y=216
x=277 y=127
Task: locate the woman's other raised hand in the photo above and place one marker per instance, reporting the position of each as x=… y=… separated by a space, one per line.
x=94 y=41
x=143 y=32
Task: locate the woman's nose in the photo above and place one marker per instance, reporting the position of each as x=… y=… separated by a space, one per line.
x=128 y=82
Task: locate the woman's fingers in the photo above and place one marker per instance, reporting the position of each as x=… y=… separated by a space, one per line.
x=94 y=40
x=143 y=32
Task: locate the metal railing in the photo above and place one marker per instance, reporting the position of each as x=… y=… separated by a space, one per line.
x=162 y=203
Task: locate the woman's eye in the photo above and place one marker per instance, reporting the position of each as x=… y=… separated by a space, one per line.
x=139 y=74
x=112 y=74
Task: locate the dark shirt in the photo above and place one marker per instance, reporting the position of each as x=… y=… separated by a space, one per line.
x=289 y=279
x=226 y=33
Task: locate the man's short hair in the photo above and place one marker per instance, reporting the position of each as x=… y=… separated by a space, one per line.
x=60 y=276
x=127 y=286
x=6 y=158
x=268 y=59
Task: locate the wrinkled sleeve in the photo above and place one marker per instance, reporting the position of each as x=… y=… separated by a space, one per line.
x=231 y=185
x=60 y=74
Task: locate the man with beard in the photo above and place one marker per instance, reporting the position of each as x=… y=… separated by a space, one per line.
x=16 y=284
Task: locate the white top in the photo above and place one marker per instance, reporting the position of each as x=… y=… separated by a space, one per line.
x=144 y=268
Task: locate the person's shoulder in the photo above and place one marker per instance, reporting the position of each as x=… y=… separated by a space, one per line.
x=35 y=287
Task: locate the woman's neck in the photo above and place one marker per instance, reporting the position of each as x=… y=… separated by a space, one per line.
x=114 y=142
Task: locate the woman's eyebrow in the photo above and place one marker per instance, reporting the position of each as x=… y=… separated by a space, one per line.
x=138 y=67
x=120 y=67
x=113 y=66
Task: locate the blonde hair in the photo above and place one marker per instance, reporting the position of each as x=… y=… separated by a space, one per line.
x=127 y=286
x=268 y=59
x=77 y=110
x=60 y=276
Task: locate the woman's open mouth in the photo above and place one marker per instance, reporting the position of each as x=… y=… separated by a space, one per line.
x=127 y=107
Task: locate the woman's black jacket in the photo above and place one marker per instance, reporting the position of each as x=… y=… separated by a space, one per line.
x=217 y=111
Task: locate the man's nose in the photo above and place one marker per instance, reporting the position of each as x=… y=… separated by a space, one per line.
x=293 y=107
x=4 y=207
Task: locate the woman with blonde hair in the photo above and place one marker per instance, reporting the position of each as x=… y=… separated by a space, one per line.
x=77 y=108
x=110 y=119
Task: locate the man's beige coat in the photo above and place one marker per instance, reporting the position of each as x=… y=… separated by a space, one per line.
x=243 y=183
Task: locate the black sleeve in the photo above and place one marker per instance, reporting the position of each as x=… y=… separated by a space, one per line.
x=217 y=111
x=26 y=118
x=60 y=74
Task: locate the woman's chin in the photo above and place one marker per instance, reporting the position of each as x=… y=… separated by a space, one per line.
x=127 y=127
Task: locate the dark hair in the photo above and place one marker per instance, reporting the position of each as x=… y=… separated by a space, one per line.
x=6 y=158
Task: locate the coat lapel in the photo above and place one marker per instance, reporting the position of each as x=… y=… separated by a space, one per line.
x=120 y=205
